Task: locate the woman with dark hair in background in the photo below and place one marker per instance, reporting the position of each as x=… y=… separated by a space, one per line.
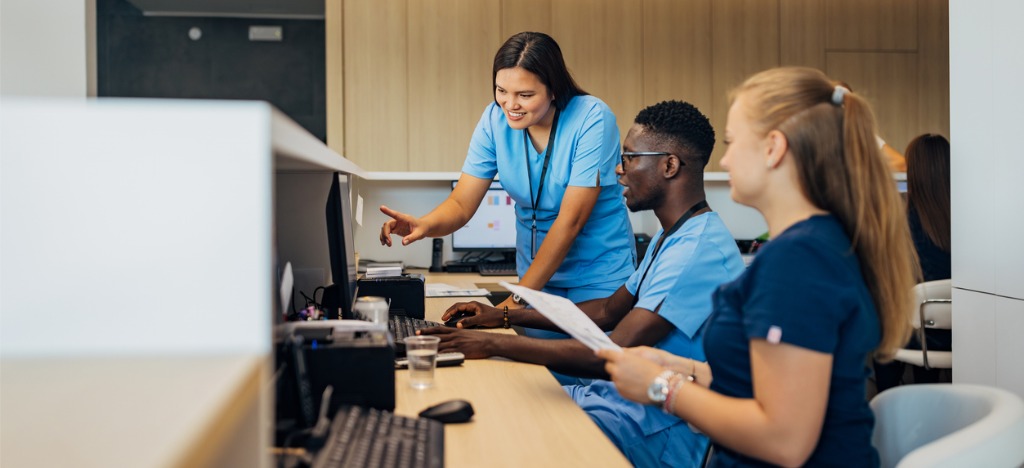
x=928 y=203
x=555 y=149
x=929 y=219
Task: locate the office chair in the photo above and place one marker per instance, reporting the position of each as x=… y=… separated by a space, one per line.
x=948 y=425
x=934 y=311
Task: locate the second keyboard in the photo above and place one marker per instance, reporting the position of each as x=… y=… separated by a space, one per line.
x=497 y=269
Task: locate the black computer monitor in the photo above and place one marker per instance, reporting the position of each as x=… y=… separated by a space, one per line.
x=341 y=244
x=492 y=227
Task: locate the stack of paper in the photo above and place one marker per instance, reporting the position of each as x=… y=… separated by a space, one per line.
x=383 y=272
x=385 y=264
x=447 y=290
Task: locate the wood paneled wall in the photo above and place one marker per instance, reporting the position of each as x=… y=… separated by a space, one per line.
x=408 y=79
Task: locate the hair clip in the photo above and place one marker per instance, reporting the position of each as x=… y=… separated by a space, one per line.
x=838 y=94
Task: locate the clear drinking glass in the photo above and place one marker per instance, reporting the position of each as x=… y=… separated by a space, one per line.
x=421 y=351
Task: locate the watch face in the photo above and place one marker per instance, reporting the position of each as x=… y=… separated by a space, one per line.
x=658 y=390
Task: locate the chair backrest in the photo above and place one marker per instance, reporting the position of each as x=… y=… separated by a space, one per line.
x=933 y=304
x=949 y=425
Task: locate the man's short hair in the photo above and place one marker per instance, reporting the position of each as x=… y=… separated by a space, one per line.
x=680 y=124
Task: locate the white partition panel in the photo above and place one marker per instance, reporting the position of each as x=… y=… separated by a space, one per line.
x=137 y=272
x=974 y=337
x=986 y=61
x=986 y=165
x=135 y=226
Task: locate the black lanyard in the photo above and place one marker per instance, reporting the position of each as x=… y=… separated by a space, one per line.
x=543 y=174
x=657 y=247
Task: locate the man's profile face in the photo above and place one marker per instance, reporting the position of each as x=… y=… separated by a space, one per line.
x=640 y=175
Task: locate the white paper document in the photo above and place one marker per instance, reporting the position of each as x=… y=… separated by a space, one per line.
x=566 y=315
x=447 y=290
x=383 y=272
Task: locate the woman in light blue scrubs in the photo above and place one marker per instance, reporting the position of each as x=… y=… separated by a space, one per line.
x=555 y=148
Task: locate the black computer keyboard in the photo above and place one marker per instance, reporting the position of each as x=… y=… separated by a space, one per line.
x=497 y=269
x=367 y=437
x=402 y=326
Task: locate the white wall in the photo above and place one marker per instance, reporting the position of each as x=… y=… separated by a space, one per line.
x=44 y=50
x=419 y=197
x=986 y=62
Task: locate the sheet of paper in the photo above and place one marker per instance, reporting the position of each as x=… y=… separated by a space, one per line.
x=383 y=272
x=447 y=290
x=359 y=210
x=566 y=315
x=287 y=285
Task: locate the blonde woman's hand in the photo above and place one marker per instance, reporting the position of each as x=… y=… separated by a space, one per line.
x=700 y=371
x=631 y=371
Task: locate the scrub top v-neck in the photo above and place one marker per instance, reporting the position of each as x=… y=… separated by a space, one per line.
x=584 y=153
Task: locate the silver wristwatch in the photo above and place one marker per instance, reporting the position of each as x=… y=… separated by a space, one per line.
x=518 y=300
x=658 y=390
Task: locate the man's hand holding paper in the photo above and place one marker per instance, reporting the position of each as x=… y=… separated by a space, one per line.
x=563 y=313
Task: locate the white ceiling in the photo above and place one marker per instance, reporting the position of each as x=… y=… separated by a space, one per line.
x=300 y=9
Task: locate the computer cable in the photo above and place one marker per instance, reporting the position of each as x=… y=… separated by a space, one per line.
x=319 y=432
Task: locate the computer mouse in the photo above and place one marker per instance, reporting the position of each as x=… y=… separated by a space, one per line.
x=458 y=316
x=451 y=411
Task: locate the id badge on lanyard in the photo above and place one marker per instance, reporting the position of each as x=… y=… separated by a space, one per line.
x=543 y=175
x=533 y=239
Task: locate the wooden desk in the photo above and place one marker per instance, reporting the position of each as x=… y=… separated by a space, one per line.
x=523 y=417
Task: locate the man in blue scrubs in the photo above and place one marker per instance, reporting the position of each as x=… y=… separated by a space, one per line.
x=664 y=303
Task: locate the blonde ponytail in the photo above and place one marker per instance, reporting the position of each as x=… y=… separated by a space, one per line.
x=831 y=134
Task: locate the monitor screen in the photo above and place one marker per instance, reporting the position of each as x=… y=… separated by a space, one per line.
x=341 y=244
x=493 y=226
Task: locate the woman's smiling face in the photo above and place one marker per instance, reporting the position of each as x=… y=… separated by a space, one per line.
x=524 y=98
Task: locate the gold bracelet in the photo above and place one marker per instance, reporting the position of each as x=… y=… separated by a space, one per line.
x=505 y=316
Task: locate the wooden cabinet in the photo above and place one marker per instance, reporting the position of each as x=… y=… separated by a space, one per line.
x=408 y=79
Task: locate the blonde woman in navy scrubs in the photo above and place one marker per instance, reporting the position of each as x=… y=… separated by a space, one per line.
x=555 y=148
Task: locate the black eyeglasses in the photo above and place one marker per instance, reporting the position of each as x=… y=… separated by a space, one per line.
x=627 y=156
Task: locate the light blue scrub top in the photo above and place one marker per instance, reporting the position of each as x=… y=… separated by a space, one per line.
x=690 y=266
x=586 y=151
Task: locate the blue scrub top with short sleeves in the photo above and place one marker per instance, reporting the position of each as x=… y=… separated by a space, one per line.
x=586 y=151
x=689 y=266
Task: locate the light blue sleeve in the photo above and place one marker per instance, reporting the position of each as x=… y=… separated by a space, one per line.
x=711 y=260
x=597 y=149
x=481 y=160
